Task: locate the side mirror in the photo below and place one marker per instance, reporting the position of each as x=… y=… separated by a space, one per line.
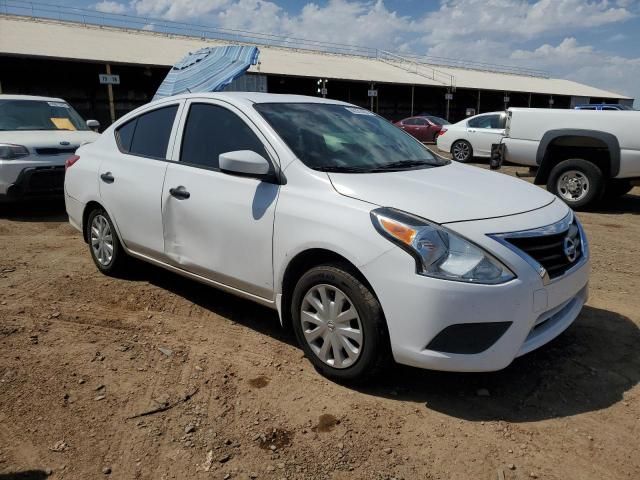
x=243 y=162
x=93 y=125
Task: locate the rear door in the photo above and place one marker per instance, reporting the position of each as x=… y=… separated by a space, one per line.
x=484 y=130
x=219 y=225
x=131 y=178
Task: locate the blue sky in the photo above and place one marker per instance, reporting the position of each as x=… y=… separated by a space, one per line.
x=592 y=41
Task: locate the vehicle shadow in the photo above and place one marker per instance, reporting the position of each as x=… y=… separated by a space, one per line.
x=245 y=312
x=34 y=211
x=587 y=368
x=25 y=475
x=629 y=203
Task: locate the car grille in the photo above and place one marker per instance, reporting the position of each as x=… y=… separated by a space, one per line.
x=556 y=252
x=56 y=151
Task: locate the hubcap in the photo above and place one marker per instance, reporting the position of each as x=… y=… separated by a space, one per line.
x=331 y=326
x=101 y=240
x=461 y=151
x=573 y=185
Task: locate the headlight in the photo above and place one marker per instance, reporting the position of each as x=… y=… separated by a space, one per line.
x=439 y=252
x=9 y=151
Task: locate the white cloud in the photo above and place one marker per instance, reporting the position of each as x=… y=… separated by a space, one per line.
x=108 y=6
x=586 y=64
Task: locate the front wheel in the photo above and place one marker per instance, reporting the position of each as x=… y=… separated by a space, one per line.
x=462 y=151
x=578 y=182
x=339 y=324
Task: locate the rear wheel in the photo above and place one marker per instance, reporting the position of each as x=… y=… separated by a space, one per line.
x=339 y=323
x=578 y=182
x=104 y=244
x=462 y=151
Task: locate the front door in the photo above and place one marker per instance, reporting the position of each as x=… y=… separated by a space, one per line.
x=216 y=224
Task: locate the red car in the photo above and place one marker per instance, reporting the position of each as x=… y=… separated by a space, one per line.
x=424 y=128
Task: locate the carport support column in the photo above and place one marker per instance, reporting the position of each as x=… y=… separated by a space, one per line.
x=412 y=96
x=478 y=107
x=112 y=109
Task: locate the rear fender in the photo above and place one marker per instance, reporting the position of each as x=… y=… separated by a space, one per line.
x=546 y=161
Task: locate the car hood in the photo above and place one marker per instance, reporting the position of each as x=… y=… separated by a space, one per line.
x=49 y=138
x=451 y=193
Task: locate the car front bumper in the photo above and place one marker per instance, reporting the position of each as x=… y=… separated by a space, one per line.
x=27 y=178
x=419 y=308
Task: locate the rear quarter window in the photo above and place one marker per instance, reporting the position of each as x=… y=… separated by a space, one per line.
x=148 y=134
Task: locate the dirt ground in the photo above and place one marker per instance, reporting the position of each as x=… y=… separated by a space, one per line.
x=81 y=354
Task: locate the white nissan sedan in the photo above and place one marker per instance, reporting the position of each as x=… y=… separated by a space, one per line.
x=366 y=244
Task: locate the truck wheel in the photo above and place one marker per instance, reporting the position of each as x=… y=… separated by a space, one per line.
x=617 y=187
x=461 y=151
x=577 y=182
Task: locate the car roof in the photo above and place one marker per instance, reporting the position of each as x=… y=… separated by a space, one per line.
x=258 y=97
x=30 y=97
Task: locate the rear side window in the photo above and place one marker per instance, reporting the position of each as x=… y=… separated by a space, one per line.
x=487 y=121
x=211 y=130
x=148 y=134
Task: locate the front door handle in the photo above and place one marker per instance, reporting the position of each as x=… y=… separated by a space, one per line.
x=179 y=192
x=107 y=177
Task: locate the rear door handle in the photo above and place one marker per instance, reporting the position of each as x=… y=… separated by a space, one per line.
x=180 y=192
x=107 y=177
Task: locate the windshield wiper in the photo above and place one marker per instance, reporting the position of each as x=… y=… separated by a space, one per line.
x=342 y=169
x=402 y=164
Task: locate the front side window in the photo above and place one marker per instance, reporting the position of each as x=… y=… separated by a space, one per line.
x=39 y=115
x=211 y=130
x=345 y=138
x=148 y=134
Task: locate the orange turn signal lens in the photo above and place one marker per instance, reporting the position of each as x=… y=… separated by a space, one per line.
x=398 y=230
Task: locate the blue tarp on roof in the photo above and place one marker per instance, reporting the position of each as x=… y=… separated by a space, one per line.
x=210 y=69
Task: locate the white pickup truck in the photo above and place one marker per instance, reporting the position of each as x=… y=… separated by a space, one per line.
x=580 y=155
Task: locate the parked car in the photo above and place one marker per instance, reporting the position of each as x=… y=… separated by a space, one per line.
x=580 y=156
x=37 y=134
x=472 y=137
x=361 y=239
x=604 y=107
x=424 y=128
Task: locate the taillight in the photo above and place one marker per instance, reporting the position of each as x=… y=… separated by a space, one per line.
x=70 y=161
x=442 y=132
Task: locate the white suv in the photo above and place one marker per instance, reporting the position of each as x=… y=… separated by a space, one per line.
x=362 y=240
x=37 y=134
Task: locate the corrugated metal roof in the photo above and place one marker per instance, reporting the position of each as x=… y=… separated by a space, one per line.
x=48 y=38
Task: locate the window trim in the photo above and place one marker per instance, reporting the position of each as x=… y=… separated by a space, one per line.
x=135 y=118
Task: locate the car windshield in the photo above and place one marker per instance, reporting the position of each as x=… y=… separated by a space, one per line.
x=438 y=120
x=39 y=115
x=345 y=138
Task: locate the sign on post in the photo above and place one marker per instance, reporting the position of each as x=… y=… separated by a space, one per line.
x=448 y=96
x=372 y=93
x=106 y=79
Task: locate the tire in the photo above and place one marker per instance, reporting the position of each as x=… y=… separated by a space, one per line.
x=577 y=182
x=462 y=151
x=372 y=345
x=616 y=188
x=99 y=230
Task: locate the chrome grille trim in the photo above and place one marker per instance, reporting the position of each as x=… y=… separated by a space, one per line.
x=553 y=229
